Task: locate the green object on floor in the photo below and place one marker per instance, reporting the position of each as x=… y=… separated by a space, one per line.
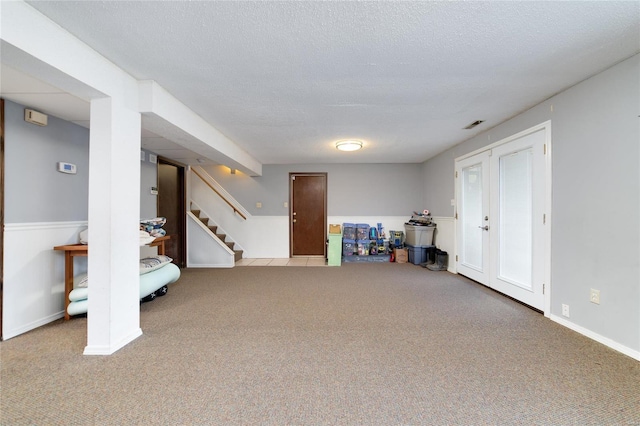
x=335 y=250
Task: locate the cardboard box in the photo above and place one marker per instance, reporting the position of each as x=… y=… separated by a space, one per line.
x=335 y=229
x=401 y=255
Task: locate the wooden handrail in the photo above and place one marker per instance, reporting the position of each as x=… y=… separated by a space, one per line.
x=235 y=209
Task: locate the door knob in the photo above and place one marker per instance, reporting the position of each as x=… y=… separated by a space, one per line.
x=486 y=228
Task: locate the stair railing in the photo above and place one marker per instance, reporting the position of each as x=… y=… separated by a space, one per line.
x=235 y=209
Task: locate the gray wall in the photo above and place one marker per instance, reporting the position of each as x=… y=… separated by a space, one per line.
x=148 y=178
x=596 y=197
x=353 y=189
x=34 y=190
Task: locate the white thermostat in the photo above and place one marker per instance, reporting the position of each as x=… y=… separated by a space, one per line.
x=67 y=168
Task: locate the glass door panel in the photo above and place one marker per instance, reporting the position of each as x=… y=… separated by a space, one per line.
x=516 y=239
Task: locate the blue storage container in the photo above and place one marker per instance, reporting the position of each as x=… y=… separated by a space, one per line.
x=417 y=254
x=349 y=247
x=363 y=247
x=349 y=231
x=362 y=231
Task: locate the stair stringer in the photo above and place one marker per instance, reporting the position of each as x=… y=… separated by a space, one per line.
x=219 y=213
x=205 y=250
x=219 y=233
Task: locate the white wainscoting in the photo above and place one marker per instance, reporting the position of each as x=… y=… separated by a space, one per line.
x=34 y=273
x=268 y=236
x=445 y=238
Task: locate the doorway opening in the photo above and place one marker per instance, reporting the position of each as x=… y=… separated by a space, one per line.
x=172 y=206
x=503 y=200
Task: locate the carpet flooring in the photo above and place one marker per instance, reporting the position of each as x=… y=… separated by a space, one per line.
x=362 y=344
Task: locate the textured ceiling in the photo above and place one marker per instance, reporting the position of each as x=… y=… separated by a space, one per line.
x=285 y=79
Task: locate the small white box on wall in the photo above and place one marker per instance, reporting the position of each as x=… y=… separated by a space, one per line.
x=67 y=168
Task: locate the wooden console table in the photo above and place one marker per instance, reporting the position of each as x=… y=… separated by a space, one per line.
x=81 y=250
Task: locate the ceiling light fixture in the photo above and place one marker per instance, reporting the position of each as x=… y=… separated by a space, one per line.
x=349 y=145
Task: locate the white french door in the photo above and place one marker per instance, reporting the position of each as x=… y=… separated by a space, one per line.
x=501 y=204
x=472 y=195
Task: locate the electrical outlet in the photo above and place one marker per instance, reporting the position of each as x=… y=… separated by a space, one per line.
x=565 y=310
x=595 y=296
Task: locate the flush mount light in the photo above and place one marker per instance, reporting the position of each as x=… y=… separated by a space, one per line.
x=349 y=145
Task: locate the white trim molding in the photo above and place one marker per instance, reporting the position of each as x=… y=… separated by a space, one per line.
x=445 y=238
x=33 y=293
x=597 y=337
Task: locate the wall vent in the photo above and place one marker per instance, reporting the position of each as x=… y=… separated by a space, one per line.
x=474 y=124
x=35 y=117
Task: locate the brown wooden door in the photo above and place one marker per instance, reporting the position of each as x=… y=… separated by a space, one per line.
x=308 y=214
x=171 y=204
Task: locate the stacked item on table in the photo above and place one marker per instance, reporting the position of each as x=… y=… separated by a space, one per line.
x=156 y=273
x=154 y=226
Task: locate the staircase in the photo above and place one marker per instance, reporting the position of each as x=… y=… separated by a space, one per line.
x=220 y=236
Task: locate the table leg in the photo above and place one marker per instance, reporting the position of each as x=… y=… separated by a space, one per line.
x=68 y=280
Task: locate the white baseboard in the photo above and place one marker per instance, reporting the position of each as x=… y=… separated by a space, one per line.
x=598 y=338
x=34 y=324
x=108 y=350
x=210 y=266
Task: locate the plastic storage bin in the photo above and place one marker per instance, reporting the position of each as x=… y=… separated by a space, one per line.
x=362 y=231
x=419 y=236
x=348 y=247
x=417 y=254
x=349 y=231
x=363 y=247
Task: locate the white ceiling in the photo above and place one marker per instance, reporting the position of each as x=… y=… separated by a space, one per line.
x=284 y=80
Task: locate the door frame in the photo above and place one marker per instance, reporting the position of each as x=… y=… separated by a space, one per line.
x=292 y=175
x=547 y=209
x=1 y=212
x=182 y=200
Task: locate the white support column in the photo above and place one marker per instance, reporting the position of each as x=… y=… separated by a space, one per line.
x=114 y=209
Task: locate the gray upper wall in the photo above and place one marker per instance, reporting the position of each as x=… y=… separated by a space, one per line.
x=579 y=120
x=353 y=189
x=148 y=178
x=595 y=211
x=34 y=190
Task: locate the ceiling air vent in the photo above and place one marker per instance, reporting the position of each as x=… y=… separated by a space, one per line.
x=474 y=124
x=35 y=117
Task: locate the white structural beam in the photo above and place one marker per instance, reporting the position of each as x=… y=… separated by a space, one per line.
x=167 y=116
